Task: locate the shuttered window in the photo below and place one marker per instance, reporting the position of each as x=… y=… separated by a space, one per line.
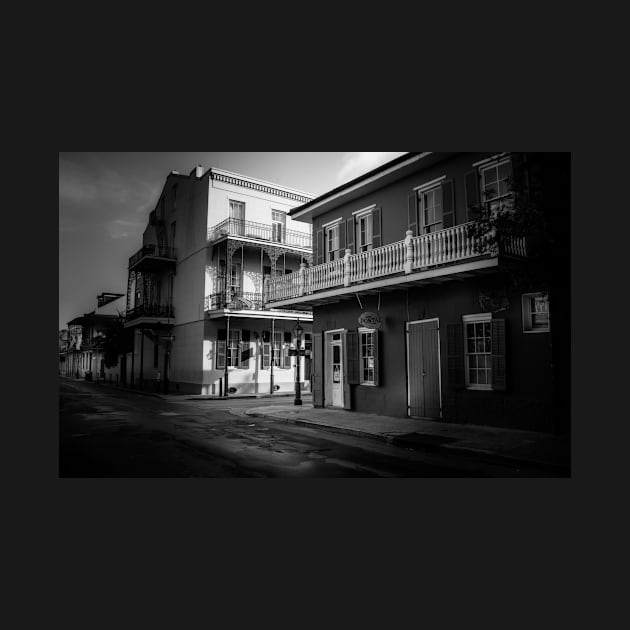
x=234 y=347
x=484 y=352
x=478 y=351
x=368 y=349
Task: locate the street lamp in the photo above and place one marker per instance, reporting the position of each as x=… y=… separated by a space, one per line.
x=297 y=331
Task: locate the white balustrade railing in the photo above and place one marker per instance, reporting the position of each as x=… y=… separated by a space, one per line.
x=324 y=276
x=420 y=252
x=382 y=261
x=445 y=246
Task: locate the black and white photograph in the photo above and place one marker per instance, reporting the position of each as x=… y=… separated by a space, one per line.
x=314 y=314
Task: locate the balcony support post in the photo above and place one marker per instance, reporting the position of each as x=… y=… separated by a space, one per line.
x=266 y=295
x=408 y=251
x=346 y=268
x=302 y=278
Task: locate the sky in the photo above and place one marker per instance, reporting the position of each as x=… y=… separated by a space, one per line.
x=105 y=199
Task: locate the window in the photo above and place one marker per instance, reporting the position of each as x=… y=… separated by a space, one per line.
x=431 y=209
x=368 y=339
x=173 y=234
x=535 y=312
x=175 y=196
x=237 y=217
x=156 y=354
x=495 y=184
x=233 y=349
x=281 y=343
x=364 y=232
x=478 y=350
x=332 y=242
x=278 y=226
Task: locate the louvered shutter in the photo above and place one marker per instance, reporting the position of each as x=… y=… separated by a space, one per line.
x=472 y=195
x=219 y=360
x=350 y=235
x=455 y=355
x=319 y=246
x=318 y=370
x=377 y=334
x=448 y=204
x=342 y=239
x=245 y=350
x=266 y=355
x=412 y=213
x=376 y=228
x=498 y=354
x=352 y=358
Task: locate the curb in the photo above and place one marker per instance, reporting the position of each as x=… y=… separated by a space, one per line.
x=484 y=455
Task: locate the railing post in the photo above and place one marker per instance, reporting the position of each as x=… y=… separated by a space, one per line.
x=266 y=290
x=346 y=265
x=302 y=277
x=408 y=251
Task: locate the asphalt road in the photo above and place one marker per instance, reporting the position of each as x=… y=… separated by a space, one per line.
x=105 y=432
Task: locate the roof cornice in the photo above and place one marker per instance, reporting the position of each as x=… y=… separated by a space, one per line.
x=359 y=182
x=258 y=184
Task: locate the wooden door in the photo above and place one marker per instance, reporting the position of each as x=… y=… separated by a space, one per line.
x=423 y=369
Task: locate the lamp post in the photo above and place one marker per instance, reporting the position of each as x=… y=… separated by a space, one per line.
x=297 y=331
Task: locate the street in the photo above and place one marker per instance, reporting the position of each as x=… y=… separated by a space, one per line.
x=109 y=432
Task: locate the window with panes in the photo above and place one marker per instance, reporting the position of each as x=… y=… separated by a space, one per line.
x=278 y=226
x=495 y=184
x=237 y=217
x=367 y=349
x=234 y=348
x=332 y=242
x=281 y=344
x=478 y=350
x=363 y=224
x=430 y=202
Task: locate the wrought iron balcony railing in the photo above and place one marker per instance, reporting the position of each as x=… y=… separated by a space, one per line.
x=150 y=310
x=418 y=253
x=152 y=250
x=260 y=231
x=237 y=300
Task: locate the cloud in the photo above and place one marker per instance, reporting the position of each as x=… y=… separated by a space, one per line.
x=123 y=235
x=360 y=162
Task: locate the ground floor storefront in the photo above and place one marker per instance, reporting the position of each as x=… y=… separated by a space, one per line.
x=470 y=351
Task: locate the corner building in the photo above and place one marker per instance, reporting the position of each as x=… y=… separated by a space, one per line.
x=195 y=288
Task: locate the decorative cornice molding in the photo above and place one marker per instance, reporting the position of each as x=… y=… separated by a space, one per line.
x=244 y=183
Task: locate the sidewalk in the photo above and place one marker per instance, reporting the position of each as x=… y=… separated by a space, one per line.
x=495 y=443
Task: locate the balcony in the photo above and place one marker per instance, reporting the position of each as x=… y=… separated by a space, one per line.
x=239 y=300
x=150 y=312
x=422 y=257
x=239 y=228
x=244 y=301
x=152 y=258
x=92 y=342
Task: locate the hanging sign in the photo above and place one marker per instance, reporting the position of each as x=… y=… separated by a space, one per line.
x=369 y=320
